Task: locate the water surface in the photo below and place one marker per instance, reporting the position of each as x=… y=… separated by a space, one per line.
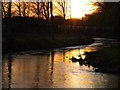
x=55 y=69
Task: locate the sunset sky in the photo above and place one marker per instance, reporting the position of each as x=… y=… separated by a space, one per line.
x=81 y=7
x=76 y=8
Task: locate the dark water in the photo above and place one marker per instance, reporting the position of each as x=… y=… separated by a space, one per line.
x=54 y=69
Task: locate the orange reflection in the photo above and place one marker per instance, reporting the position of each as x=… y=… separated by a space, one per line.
x=81 y=53
x=53 y=71
x=77 y=53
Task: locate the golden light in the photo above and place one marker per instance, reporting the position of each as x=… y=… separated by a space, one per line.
x=82 y=51
x=75 y=53
x=81 y=7
x=83 y=56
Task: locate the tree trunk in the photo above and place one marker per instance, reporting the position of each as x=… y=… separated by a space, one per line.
x=51 y=10
x=44 y=11
x=24 y=9
x=19 y=9
x=64 y=10
x=9 y=10
x=3 y=11
x=48 y=14
x=38 y=10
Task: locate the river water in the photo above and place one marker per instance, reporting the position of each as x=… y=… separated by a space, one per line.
x=55 y=69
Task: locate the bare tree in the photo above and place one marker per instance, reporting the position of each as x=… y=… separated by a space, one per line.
x=43 y=10
x=4 y=14
x=24 y=9
x=63 y=8
x=35 y=9
x=9 y=9
x=38 y=10
x=98 y=3
x=21 y=9
x=6 y=9
x=18 y=5
x=47 y=10
x=51 y=9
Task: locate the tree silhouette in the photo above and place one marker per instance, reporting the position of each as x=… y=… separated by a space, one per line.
x=51 y=9
x=4 y=14
x=62 y=8
x=32 y=9
x=9 y=9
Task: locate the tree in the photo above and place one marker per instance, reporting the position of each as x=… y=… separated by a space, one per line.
x=98 y=3
x=6 y=9
x=38 y=10
x=18 y=5
x=25 y=8
x=47 y=10
x=63 y=8
x=51 y=10
x=9 y=9
x=4 y=14
x=35 y=9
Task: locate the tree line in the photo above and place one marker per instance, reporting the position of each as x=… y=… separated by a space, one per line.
x=44 y=10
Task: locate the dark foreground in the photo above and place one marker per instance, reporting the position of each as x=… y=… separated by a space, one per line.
x=23 y=34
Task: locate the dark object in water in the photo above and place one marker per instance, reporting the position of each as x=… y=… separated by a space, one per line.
x=89 y=66
x=99 y=70
x=76 y=60
x=81 y=63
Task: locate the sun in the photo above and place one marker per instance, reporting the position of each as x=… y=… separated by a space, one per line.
x=81 y=7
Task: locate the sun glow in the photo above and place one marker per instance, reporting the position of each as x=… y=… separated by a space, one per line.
x=81 y=7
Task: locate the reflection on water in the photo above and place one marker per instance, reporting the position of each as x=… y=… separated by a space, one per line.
x=55 y=69
x=80 y=53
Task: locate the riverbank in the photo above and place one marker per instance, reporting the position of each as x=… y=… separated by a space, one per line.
x=24 y=34
x=16 y=41
x=39 y=41
x=105 y=60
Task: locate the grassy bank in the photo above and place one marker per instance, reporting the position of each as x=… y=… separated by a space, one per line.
x=35 y=40
x=107 y=60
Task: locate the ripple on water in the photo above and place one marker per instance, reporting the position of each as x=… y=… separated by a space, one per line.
x=54 y=70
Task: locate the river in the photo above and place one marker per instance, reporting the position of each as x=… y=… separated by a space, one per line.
x=55 y=69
